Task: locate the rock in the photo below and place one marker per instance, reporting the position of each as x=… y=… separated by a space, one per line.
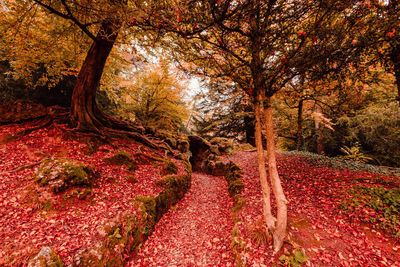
x=201 y=149
x=61 y=174
x=46 y=257
x=224 y=145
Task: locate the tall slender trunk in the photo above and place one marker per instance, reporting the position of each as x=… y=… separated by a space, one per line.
x=265 y=188
x=299 y=134
x=395 y=58
x=279 y=233
x=320 y=145
x=249 y=127
x=85 y=114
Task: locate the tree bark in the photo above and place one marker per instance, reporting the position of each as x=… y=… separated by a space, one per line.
x=249 y=127
x=279 y=233
x=265 y=188
x=395 y=58
x=320 y=145
x=299 y=134
x=85 y=114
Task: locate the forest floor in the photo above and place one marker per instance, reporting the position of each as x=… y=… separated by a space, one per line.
x=317 y=225
x=199 y=230
x=32 y=216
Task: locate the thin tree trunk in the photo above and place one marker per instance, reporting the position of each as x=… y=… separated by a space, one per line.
x=85 y=114
x=265 y=188
x=395 y=58
x=279 y=233
x=249 y=127
x=299 y=134
x=320 y=145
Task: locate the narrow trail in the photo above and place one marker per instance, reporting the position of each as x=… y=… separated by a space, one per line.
x=197 y=232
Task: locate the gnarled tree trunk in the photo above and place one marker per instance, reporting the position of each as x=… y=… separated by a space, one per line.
x=85 y=114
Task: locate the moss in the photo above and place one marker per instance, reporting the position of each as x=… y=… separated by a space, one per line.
x=165 y=180
x=169 y=168
x=81 y=194
x=61 y=174
x=128 y=234
x=120 y=158
x=47 y=205
x=46 y=258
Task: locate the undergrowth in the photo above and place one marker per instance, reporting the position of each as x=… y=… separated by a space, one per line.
x=340 y=163
x=376 y=205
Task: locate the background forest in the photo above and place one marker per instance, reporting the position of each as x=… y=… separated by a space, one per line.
x=353 y=110
x=112 y=82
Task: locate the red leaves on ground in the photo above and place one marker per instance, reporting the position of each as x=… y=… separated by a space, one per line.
x=315 y=221
x=32 y=217
x=195 y=233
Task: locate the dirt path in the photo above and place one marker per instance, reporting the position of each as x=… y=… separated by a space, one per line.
x=195 y=233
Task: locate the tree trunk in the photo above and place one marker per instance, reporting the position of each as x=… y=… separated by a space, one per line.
x=85 y=114
x=279 y=233
x=265 y=188
x=249 y=127
x=320 y=145
x=299 y=134
x=395 y=58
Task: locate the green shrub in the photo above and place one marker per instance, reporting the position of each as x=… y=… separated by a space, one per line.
x=297 y=258
x=354 y=153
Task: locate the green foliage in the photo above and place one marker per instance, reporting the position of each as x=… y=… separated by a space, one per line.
x=376 y=129
x=354 y=153
x=377 y=205
x=156 y=98
x=294 y=260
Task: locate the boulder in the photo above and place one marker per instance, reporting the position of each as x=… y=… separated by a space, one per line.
x=61 y=174
x=201 y=150
x=46 y=257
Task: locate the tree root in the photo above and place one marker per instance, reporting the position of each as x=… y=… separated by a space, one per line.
x=23 y=167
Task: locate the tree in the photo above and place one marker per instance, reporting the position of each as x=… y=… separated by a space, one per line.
x=156 y=98
x=261 y=46
x=224 y=111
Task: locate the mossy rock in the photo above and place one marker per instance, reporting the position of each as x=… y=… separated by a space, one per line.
x=46 y=258
x=219 y=168
x=168 y=179
x=61 y=174
x=225 y=145
x=169 y=168
x=120 y=158
x=245 y=147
